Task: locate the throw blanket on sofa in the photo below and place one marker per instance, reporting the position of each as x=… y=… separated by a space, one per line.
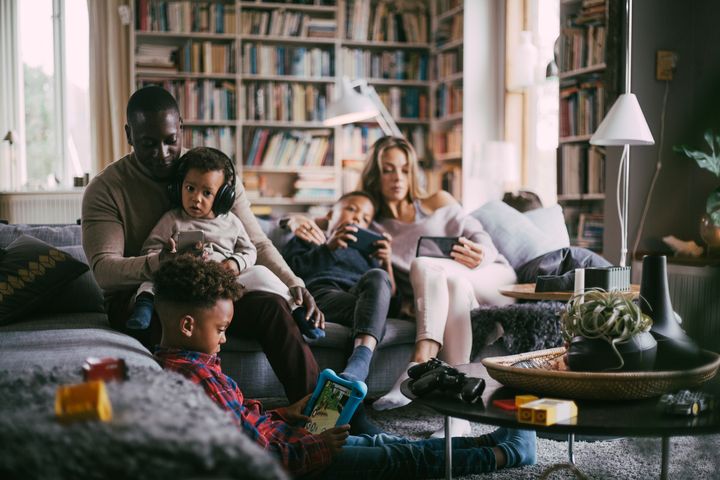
x=163 y=426
x=527 y=326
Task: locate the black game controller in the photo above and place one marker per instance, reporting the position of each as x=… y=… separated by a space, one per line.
x=438 y=375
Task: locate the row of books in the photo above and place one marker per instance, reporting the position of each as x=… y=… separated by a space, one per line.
x=582 y=107
x=590 y=230
x=581 y=169
x=390 y=64
x=448 y=100
x=582 y=47
x=288 y=102
x=356 y=140
x=447 y=5
x=315 y=186
x=451 y=181
x=283 y=23
x=407 y=102
x=222 y=138
x=450 y=30
x=298 y=61
x=448 y=141
x=185 y=16
x=199 y=57
x=209 y=100
x=280 y=148
x=448 y=63
x=386 y=21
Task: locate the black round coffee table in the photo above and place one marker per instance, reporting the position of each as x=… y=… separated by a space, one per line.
x=630 y=418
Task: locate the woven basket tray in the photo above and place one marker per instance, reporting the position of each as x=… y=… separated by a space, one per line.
x=594 y=385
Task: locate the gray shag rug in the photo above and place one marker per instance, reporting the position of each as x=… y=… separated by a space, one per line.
x=626 y=458
x=163 y=426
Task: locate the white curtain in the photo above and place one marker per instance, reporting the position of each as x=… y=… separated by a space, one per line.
x=110 y=85
x=11 y=89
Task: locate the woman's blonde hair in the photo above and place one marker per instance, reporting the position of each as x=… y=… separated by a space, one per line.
x=370 y=177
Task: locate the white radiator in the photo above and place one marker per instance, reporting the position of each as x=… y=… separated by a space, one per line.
x=41 y=207
x=695 y=296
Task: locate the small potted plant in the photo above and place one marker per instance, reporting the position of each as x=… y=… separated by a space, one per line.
x=607 y=331
x=710 y=221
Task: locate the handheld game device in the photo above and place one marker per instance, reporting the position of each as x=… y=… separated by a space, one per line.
x=365 y=240
x=333 y=402
x=438 y=247
x=188 y=239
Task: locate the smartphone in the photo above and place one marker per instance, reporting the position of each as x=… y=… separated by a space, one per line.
x=365 y=240
x=438 y=247
x=188 y=239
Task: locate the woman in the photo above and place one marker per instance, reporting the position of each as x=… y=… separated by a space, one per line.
x=444 y=290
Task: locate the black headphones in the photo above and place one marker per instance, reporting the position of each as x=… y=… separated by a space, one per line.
x=224 y=198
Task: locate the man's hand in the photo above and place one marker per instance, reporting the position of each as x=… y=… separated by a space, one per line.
x=231 y=265
x=468 y=253
x=303 y=297
x=293 y=413
x=335 y=438
x=341 y=236
x=384 y=250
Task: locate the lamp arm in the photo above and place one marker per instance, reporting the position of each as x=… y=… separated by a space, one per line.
x=384 y=119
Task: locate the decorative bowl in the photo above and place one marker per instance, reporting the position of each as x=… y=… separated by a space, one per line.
x=595 y=385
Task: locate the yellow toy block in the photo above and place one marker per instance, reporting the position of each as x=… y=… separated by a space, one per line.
x=83 y=401
x=523 y=399
x=546 y=411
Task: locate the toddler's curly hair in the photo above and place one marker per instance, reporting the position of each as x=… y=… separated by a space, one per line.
x=192 y=281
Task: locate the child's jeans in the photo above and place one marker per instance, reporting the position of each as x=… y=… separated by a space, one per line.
x=390 y=457
x=364 y=307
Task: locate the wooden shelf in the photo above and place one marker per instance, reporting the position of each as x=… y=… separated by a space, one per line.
x=289 y=201
x=580 y=197
x=575 y=139
x=455 y=77
x=448 y=157
x=453 y=117
x=582 y=71
x=402 y=83
x=287 y=40
x=450 y=45
x=289 y=125
x=286 y=78
x=210 y=123
x=185 y=35
x=139 y=72
x=286 y=170
x=288 y=6
x=384 y=45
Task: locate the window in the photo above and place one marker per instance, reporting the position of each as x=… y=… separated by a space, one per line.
x=54 y=124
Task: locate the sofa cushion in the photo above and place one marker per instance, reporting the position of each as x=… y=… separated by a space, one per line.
x=517 y=236
x=32 y=272
x=56 y=235
x=80 y=295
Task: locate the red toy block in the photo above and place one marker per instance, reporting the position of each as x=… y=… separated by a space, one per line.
x=104 y=369
x=505 y=404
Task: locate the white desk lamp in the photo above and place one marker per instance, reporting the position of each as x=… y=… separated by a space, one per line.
x=355 y=106
x=624 y=125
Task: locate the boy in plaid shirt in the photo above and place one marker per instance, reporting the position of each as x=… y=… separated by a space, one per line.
x=194 y=300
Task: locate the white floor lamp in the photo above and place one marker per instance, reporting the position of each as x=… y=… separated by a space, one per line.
x=624 y=125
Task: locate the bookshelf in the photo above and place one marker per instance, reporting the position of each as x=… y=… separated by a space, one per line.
x=447 y=96
x=590 y=63
x=254 y=78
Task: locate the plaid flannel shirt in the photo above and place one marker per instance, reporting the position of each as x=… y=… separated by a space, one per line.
x=299 y=451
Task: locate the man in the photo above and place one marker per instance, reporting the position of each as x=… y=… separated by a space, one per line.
x=124 y=202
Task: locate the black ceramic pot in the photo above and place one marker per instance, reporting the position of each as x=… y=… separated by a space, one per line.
x=597 y=355
x=675 y=350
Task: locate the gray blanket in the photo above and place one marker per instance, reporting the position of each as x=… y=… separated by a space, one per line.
x=163 y=426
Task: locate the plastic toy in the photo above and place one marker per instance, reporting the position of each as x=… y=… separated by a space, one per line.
x=546 y=411
x=104 y=369
x=333 y=402
x=686 y=403
x=83 y=401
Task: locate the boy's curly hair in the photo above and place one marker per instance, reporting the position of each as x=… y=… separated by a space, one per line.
x=205 y=159
x=192 y=281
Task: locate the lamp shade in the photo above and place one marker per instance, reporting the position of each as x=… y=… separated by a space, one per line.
x=350 y=106
x=624 y=124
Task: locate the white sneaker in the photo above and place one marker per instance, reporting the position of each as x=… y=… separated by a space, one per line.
x=459 y=427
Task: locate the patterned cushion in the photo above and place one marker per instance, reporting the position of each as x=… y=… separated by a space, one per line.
x=32 y=272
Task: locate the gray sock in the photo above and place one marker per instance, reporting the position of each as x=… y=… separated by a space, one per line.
x=358 y=364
